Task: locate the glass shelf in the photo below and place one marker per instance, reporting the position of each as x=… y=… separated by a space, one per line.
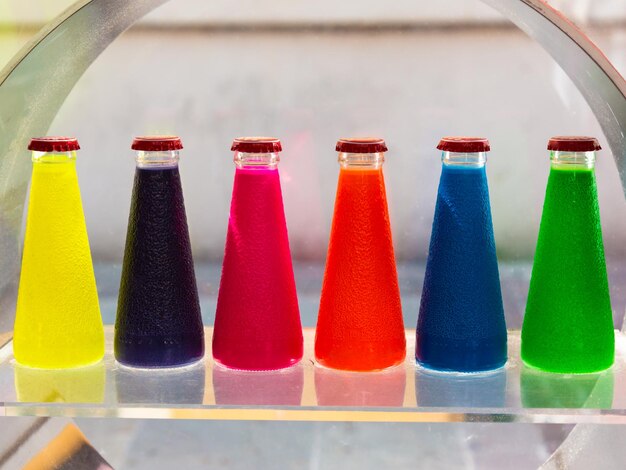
x=307 y=392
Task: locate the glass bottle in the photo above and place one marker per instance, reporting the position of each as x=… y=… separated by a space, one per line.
x=158 y=322
x=461 y=324
x=360 y=325
x=568 y=325
x=257 y=322
x=57 y=323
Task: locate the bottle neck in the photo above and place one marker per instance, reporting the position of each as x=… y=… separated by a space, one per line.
x=364 y=161
x=462 y=159
x=572 y=160
x=261 y=161
x=161 y=159
x=53 y=157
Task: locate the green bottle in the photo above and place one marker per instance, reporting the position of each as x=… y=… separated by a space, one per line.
x=568 y=326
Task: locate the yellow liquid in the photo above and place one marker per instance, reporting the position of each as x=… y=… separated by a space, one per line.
x=58 y=323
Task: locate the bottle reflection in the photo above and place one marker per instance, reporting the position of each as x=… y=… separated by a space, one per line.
x=485 y=390
x=343 y=388
x=78 y=385
x=277 y=387
x=182 y=385
x=549 y=390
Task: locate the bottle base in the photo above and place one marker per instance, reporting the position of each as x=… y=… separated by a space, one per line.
x=190 y=364
x=560 y=369
x=487 y=370
x=325 y=364
x=50 y=366
x=464 y=356
x=247 y=367
x=157 y=353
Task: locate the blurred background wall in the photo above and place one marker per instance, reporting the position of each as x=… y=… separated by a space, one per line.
x=312 y=72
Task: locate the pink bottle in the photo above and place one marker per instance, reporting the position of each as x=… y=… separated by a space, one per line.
x=257 y=323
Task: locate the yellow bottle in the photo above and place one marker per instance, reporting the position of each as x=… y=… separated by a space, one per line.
x=57 y=322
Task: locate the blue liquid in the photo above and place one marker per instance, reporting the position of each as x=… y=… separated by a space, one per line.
x=461 y=323
x=158 y=320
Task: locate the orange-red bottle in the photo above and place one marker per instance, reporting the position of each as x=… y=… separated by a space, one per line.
x=360 y=325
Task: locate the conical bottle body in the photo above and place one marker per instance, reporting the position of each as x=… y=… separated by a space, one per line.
x=58 y=323
x=360 y=325
x=257 y=323
x=568 y=324
x=159 y=323
x=461 y=324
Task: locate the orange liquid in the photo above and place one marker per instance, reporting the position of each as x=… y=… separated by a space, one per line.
x=360 y=323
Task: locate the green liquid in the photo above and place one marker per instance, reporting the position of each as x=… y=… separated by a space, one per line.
x=568 y=326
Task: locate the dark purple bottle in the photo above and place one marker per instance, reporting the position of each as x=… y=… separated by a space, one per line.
x=158 y=320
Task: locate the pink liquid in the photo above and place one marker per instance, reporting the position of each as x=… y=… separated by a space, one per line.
x=257 y=324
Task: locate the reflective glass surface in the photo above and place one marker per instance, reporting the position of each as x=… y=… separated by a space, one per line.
x=308 y=392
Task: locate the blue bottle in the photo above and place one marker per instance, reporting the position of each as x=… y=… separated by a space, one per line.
x=461 y=324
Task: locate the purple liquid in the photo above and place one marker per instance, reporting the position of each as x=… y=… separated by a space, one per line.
x=158 y=314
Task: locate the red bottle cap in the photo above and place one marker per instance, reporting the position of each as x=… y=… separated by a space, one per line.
x=256 y=145
x=157 y=143
x=573 y=143
x=464 y=144
x=361 y=145
x=53 y=144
